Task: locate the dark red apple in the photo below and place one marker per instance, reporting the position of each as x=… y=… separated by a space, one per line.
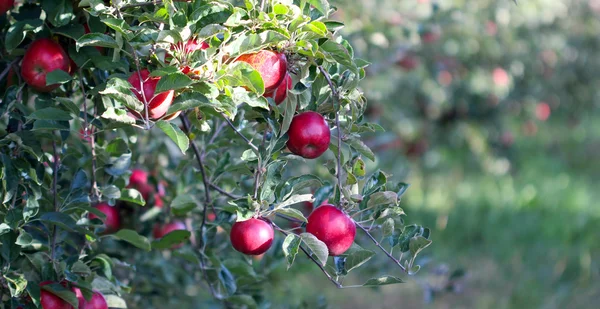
x=112 y=221
x=158 y=104
x=51 y=301
x=252 y=237
x=281 y=92
x=42 y=57
x=161 y=230
x=138 y=176
x=333 y=227
x=158 y=202
x=6 y=5
x=271 y=65
x=408 y=62
x=309 y=135
x=96 y=302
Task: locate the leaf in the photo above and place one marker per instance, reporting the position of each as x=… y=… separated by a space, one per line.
x=182 y=204
x=387 y=228
x=32 y=206
x=188 y=100
x=60 y=219
x=24 y=239
x=361 y=147
x=243 y=74
x=172 y=238
x=81 y=269
x=295 y=199
x=16 y=283
x=417 y=244
x=4 y=228
x=318 y=248
x=358 y=258
x=290 y=248
x=58 y=77
x=114 y=301
x=133 y=238
x=96 y=39
x=62 y=292
x=16 y=33
x=382 y=199
x=227 y=280
x=173 y=81
x=293 y=213
x=296 y=184
x=111 y=192
x=321 y=5
x=384 y=280
x=132 y=196
x=175 y=134
x=291 y=106
x=50 y=113
x=117 y=115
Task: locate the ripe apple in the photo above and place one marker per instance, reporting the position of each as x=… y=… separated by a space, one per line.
x=112 y=221
x=6 y=5
x=138 y=176
x=252 y=237
x=309 y=135
x=271 y=65
x=158 y=202
x=211 y=216
x=42 y=57
x=333 y=227
x=408 y=62
x=51 y=301
x=96 y=302
x=161 y=230
x=158 y=104
x=281 y=92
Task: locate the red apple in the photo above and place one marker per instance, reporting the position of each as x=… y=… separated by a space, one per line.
x=542 y=111
x=408 y=62
x=42 y=57
x=281 y=92
x=161 y=230
x=96 y=302
x=138 y=176
x=158 y=104
x=112 y=221
x=271 y=65
x=158 y=202
x=6 y=5
x=191 y=46
x=252 y=237
x=211 y=216
x=333 y=227
x=309 y=135
x=51 y=301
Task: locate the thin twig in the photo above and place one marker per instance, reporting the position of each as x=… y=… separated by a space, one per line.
x=88 y=133
x=259 y=167
x=201 y=244
x=336 y=97
x=335 y=282
x=240 y=134
x=8 y=67
x=222 y=191
x=55 y=200
x=382 y=248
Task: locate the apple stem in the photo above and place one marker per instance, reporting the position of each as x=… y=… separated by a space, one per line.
x=201 y=244
x=336 y=98
x=397 y=261
x=335 y=282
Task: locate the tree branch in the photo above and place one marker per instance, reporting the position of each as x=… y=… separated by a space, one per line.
x=336 y=97
x=55 y=200
x=335 y=282
x=240 y=134
x=222 y=191
x=381 y=247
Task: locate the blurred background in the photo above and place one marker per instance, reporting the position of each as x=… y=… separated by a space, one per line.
x=492 y=111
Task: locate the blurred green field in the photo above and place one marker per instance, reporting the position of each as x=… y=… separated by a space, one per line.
x=497 y=129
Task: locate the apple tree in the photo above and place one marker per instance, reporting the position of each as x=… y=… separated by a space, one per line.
x=170 y=153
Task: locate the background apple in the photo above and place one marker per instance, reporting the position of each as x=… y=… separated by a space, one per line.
x=51 y=301
x=96 y=302
x=271 y=65
x=112 y=221
x=309 y=135
x=281 y=92
x=158 y=104
x=160 y=231
x=42 y=57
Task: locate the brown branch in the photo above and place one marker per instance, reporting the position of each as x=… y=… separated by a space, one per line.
x=223 y=192
x=381 y=247
x=336 y=97
x=335 y=282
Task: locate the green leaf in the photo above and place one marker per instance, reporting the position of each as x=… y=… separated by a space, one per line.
x=62 y=292
x=111 y=192
x=59 y=12
x=4 y=228
x=384 y=280
x=290 y=247
x=120 y=91
x=173 y=81
x=417 y=244
x=382 y=199
x=321 y=5
x=17 y=32
x=296 y=184
x=16 y=283
x=294 y=199
x=293 y=213
x=358 y=258
x=361 y=147
x=60 y=219
x=387 y=228
x=227 y=280
x=133 y=238
x=243 y=74
x=58 y=77
x=80 y=268
x=241 y=96
x=188 y=100
x=114 y=301
x=118 y=115
x=96 y=39
x=172 y=238
x=50 y=113
x=318 y=248
x=132 y=196
x=175 y=134
x=182 y=204
x=24 y=239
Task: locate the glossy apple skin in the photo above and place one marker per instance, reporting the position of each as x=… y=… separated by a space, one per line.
x=112 y=221
x=252 y=237
x=161 y=230
x=42 y=57
x=96 y=302
x=333 y=227
x=6 y=5
x=309 y=135
x=280 y=94
x=51 y=301
x=271 y=65
x=158 y=104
